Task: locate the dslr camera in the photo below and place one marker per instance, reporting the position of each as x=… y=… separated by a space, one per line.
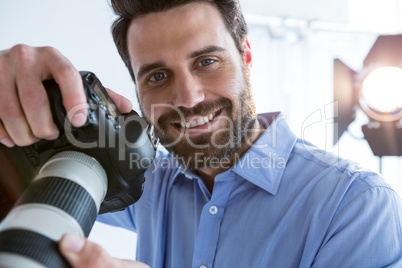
x=86 y=171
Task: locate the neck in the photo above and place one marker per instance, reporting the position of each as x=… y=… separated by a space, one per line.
x=208 y=174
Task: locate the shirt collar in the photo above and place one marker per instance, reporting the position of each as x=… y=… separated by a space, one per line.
x=264 y=163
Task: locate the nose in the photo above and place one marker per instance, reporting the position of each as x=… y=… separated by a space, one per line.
x=188 y=91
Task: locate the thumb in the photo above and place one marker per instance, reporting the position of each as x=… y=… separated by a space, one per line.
x=80 y=252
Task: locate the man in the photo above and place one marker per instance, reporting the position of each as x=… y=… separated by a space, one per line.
x=236 y=189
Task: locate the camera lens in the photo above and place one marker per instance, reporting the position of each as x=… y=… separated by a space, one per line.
x=65 y=197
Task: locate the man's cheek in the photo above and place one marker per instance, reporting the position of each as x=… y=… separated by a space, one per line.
x=152 y=112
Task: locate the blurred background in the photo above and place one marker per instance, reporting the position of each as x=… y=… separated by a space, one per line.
x=294 y=45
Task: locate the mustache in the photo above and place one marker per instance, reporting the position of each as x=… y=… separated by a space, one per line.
x=205 y=108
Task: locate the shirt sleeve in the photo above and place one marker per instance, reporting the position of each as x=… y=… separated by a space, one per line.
x=154 y=176
x=365 y=232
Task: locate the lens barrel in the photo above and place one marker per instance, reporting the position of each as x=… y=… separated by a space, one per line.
x=65 y=197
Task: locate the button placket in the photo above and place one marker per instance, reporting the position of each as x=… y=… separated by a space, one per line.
x=210 y=222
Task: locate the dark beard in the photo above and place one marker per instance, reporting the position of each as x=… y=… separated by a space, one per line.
x=210 y=149
x=202 y=151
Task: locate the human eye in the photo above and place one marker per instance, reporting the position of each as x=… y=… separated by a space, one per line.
x=156 y=77
x=206 y=62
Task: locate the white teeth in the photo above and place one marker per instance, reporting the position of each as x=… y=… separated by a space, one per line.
x=200 y=121
x=193 y=123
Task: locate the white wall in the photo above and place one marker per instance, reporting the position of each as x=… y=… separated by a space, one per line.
x=79 y=29
x=289 y=74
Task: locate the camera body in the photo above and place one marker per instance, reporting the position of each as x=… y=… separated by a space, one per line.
x=96 y=168
x=123 y=144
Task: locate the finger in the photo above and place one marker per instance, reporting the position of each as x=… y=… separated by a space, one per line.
x=11 y=113
x=132 y=264
x=123 y=104
x=5 y=139
x=70 y=83
x=32 y=95
x=80 y=252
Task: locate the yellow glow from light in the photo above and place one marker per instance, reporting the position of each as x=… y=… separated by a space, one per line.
x=382 y=89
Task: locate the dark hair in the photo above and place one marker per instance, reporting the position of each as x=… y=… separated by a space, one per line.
x=127 y=10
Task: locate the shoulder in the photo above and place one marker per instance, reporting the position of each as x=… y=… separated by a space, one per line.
x=355 y=207
x=163 y=165
x=319 y=161
x=159 y=176
x=336 y=176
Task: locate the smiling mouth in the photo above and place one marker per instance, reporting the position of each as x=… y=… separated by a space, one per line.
x=199 y=121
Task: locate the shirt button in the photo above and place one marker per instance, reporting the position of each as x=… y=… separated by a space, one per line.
x=203 y=266
x=213 y=210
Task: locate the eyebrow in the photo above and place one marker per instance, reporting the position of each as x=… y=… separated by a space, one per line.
x=149 y=67
x=206 y=50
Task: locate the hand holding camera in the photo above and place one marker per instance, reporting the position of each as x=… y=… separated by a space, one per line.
x=83 y=171
x=24 y=106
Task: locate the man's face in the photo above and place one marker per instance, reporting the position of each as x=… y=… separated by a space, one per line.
x=192 y=82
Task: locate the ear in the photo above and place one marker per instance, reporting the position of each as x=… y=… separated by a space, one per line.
x=247 y=53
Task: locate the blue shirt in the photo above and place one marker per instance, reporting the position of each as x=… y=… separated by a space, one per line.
x=284 y=204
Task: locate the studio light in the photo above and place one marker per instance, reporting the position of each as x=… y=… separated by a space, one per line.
x=381 y=96
x=377 y=91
